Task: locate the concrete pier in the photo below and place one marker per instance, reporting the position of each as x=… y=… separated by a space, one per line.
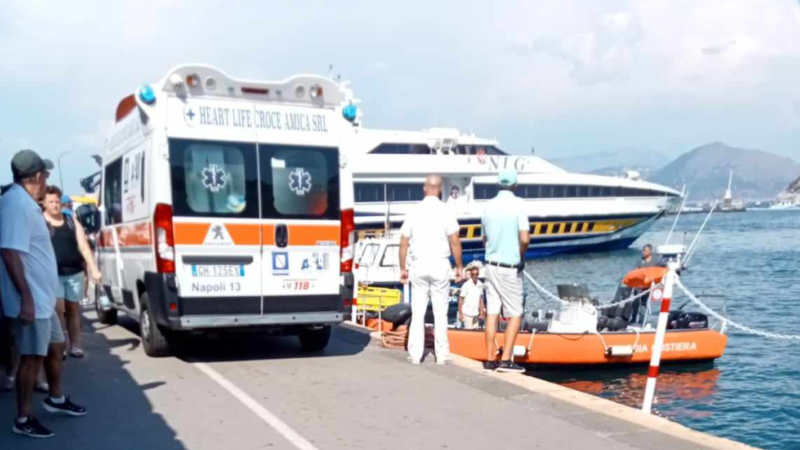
x=248 y=392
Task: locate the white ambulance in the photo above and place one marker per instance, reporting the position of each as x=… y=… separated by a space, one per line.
x=227 y=204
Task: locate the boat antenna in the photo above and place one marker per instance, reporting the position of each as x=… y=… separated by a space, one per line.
x=683 y=203
x=693 y=246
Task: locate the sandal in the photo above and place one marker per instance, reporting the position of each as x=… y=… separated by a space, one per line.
x=76 y=352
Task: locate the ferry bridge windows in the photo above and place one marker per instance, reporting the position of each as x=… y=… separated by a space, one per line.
x=423 y=149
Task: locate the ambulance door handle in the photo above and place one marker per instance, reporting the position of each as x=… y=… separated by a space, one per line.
x=281 y=235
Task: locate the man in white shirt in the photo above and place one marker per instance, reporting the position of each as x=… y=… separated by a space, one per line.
x=470 y=301
x=28 y=279
x=431 y=232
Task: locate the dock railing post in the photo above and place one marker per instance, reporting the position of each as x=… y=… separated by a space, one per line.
x=661 y=331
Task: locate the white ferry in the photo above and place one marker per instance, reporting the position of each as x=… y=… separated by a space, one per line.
x=568 y=212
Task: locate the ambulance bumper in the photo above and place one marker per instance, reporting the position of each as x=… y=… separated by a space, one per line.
x=321 y=318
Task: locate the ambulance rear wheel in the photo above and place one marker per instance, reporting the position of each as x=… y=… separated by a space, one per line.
x=154 y=340
x=315 y=339
x=105 y=316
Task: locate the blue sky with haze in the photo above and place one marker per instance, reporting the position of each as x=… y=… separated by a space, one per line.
x=568 y=77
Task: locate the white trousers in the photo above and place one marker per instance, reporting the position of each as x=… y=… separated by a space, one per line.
x=430 y=280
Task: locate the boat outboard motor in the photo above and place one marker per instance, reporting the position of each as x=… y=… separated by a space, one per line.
x=399 y=314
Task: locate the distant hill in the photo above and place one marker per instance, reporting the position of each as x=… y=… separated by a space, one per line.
x=794 y=187
x=757 y=175
x=613 y=162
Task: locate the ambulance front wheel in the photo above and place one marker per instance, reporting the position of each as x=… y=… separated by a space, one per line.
x=154 y=341
x=315 y=339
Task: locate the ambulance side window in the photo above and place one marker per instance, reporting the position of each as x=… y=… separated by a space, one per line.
x=213 y=179
x=112 y=192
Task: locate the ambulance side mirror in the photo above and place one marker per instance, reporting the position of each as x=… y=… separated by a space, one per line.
x=89 y=216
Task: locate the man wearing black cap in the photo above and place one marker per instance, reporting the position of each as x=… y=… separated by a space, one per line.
x=28 y=280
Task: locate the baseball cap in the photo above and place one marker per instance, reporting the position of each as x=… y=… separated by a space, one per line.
x=66 y=199
x=26 y=163
x=507 y=177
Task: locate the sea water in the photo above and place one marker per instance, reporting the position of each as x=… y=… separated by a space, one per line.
x=748 y=263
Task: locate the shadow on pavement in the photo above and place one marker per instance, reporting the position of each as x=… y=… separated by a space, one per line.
x=254 y=345
x=120 y=415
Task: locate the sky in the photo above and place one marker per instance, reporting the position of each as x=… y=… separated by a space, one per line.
x=564 y=77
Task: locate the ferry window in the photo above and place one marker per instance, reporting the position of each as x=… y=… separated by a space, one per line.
x=213 y=179
x=594 y=191
x=391 y=256
x=532 y=191
x=404 y=192
x=583 y=191
x=492 y=150
x=368 y=255
x=572 y=191
x=615 y=192
x=370 y=192
x=546 y=191
x=112 y=192
x=558 y=191
x=485 y=191
x=299 y=182
x=521 y=191
x=401 y=149
x=603 y=191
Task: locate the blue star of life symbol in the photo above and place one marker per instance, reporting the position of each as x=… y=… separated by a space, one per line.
x=190 y=114
x=300 y=181
x=213 y=178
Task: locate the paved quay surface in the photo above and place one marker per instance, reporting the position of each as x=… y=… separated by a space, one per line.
x=247 y=392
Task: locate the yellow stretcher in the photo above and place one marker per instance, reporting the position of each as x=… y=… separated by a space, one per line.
x=375 y=298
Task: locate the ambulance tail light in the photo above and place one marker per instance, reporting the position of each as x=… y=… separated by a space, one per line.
x=348 y=240
x=165 y=239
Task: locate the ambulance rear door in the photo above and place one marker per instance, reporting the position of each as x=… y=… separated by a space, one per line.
x=300 y=208
x=216 y=211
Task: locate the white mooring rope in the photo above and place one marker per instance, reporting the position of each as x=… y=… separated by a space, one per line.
x=547 y=293
x=727 y=321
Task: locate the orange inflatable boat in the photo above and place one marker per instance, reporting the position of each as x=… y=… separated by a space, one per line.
x=624 y=347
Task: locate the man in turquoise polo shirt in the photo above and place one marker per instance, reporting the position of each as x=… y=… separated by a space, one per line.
x=506 y=236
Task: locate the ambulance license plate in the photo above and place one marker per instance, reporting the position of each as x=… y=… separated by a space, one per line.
x=215 y=271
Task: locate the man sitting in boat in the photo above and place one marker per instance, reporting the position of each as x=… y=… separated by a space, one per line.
x=623 y=292
x=647 y=257
x=470 y=301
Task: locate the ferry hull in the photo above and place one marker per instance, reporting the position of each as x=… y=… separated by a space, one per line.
x=590 y=349
x=551 y=236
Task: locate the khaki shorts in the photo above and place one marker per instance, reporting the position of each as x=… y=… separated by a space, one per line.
x=34 y=339
x=503 y=288
x=470 y=322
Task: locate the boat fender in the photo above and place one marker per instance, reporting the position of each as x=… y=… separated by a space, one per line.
x=397 y=314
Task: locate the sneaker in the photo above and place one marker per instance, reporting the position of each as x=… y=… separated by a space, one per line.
x=443 y=361
x=7 y=384
x=509 y=367
x=413 y=361
x=490 y=365
x=31 y=428
x=68 y=408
